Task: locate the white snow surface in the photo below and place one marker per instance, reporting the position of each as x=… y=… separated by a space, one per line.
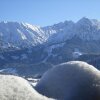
x=33 y=81
x=73 y=80
x=17 y=88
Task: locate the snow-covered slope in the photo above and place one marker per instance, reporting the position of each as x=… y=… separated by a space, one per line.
x=73 y=80
x=20 y=34
x=88 y=29
x=17 y=88
x=85 y=29
x=59 y=32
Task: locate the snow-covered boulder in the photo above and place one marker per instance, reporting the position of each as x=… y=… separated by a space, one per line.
x=74 y=80
x=17 y=88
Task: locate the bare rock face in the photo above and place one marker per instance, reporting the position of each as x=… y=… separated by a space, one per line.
x=17 y=88
x=74 y=80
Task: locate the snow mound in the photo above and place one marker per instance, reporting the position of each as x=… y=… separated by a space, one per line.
x=17 y=88
x=74 y=80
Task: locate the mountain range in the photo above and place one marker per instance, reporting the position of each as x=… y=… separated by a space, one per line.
x=22 y=43
x=24 y=34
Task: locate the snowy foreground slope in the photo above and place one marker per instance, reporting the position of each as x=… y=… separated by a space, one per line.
x=17 y=88
x=73 y=80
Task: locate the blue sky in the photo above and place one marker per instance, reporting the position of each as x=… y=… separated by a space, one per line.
x=48 y=12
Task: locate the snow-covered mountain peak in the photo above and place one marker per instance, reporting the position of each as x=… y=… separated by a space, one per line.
x=60 y=25
x=84 y=29
x=21 y=34
x=88 y=22
x=25 y=34
x=83 y=20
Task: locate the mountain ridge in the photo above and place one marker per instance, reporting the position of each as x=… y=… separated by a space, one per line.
x=24 y=34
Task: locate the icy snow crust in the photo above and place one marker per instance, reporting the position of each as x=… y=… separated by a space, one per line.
x=17 y=88
x=73 y=80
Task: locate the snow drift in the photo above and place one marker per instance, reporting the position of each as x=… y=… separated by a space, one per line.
x=17 y=88
x=73 y=80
